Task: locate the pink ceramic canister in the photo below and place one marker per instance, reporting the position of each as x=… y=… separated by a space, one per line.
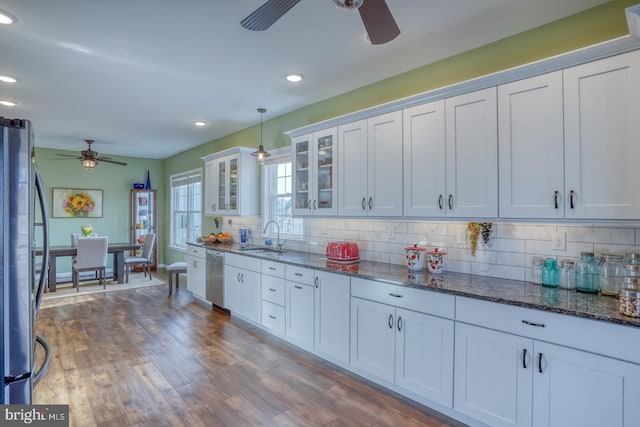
x=435 y=260
x=414 y=256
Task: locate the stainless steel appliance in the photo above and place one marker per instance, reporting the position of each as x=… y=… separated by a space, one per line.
x=215 y=278
x=23 y=215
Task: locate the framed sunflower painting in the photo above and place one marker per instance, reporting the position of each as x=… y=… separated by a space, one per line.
x=77 y=203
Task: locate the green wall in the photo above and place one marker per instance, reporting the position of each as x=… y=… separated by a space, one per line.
x=116 y=183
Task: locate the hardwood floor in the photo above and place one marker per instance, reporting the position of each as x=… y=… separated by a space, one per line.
x=138 y=358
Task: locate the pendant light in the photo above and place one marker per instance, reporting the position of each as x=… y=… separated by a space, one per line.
x=261 y=155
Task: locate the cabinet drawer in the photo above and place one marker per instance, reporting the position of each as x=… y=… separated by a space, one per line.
x=273 y=317
x=241 y=261
x=197 y=251
x=424 y=301
x=585 y=334
x=299 y=274
x=273 y=289
x=273 y=268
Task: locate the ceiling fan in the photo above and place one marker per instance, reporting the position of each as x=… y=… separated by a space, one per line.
x=90 y=158
x=375 y=14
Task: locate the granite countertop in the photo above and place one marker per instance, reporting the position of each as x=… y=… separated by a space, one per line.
x=512 y=292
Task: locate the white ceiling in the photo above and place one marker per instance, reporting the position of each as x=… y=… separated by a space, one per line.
x=135 y=74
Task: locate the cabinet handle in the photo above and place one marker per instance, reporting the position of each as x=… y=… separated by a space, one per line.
x=238 y=277
x=370 y=203
x=364 y=203
x=555 y=198
x=571 y=195
x=540 y=362
x=440 y=201
x=399 y=323
x=391 y=321
x=272 y=268
x=297 y=287
x=272 y=290
x=309 y=204
x=314 y=205
x=524 y=358
x=450 y=201
x=395 y=295
x=537 y=325
x=273 y=317
x=316 y=282
x=298 y=274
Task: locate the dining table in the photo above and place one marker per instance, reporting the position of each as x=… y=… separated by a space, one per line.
x=117 y=249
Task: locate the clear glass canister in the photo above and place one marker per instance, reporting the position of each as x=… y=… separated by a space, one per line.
x=632 y=265
x=568 y=274
x=536 y=270
x=587 y=273
x=630 y=302
x=550 y=273
x=611 y=272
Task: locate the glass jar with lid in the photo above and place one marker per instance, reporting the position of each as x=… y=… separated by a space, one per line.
x=550 y=273
x=587 y=273
x=632 y=265
x=567 y=274
x=611 y=272
x=536 y=270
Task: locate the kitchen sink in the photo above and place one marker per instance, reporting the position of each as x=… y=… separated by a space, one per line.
x=260 y=250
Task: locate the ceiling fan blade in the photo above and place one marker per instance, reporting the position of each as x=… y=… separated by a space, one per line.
x=71 y=156
x=264 y=16
x=378 y=21
x=102 y=159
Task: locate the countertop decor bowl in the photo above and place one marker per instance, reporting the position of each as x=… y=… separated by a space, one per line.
x=225 y=239
x=207 y=239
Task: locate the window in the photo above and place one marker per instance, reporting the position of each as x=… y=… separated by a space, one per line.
x=277 y=198
x=186 y=208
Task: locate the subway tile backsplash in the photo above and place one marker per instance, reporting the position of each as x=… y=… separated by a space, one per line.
x=507 y=255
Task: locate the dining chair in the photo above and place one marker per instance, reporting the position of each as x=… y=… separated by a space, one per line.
x=92 y=256
x=144 y=259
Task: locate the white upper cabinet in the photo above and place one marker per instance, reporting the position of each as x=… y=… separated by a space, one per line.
x=472 y=155
x=424 y=160
x=602 y=138
x=370 y=167
x=531 y=148
x=231 y=183
x=314 y=173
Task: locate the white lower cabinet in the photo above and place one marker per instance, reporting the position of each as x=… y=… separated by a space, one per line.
x=196 y=270
x=273 y=296
x=299 y=305
x=242 y=286
x=411 y=349
x=503 y=379
x=332 y=293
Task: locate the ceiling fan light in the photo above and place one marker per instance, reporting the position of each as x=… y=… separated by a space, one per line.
x=348 y=4
x=88 y=164
x=6 y=18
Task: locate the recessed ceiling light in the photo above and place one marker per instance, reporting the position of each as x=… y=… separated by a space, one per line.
x=294 y=77
x=6 y=18
x=200 y=123
x=7 y=79
x=8 y=103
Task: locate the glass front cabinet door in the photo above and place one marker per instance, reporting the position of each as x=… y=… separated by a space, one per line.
x=314 y=169
x=143 y=218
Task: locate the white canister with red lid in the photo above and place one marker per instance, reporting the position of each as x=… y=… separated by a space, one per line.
x=435 y=260
x=414 y=256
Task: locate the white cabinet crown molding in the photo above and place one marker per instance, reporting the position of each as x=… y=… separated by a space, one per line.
x=558 y=62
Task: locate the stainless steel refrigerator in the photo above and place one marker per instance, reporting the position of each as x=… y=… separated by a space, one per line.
x=23 y=218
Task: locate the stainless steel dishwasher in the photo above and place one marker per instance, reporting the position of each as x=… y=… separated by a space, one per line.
x=215 y=277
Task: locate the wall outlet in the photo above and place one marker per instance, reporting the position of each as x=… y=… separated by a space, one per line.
x=392 y=232
x=558 y=241
x=325 y=228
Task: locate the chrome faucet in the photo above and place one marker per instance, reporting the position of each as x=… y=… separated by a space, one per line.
x=279 y=243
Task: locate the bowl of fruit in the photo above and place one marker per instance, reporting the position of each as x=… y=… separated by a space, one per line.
x=224 y=238
x=207 y=240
